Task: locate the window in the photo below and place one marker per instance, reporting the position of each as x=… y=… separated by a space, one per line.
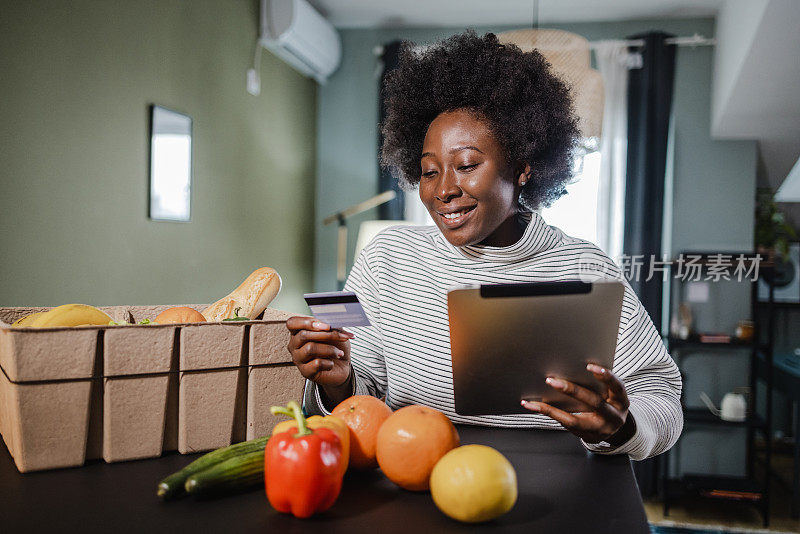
x=576 y=212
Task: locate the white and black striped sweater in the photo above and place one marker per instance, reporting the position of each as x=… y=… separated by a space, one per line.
x=402 y=277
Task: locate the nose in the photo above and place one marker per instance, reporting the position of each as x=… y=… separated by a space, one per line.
x=447 y=188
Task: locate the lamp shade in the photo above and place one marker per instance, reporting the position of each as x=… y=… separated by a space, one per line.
x=369 y=229
x=570 y=59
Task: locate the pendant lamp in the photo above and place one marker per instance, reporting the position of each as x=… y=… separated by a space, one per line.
x=569 y=58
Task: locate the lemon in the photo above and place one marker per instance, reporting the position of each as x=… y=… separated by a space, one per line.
x=474 y=483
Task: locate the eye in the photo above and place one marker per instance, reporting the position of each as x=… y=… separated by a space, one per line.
x=429 y=174
x=467 y=168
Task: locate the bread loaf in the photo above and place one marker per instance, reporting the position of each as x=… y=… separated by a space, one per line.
x=252 y=296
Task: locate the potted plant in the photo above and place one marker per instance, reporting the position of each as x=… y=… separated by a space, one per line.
x=773 y=234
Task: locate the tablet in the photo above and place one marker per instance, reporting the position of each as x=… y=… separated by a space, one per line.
x=505 y=339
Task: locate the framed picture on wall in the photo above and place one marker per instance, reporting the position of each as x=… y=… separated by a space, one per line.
x=170 y=165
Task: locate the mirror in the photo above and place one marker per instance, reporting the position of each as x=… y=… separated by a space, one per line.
x=170 y=165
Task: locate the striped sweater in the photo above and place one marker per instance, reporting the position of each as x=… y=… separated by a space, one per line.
x=402 y=277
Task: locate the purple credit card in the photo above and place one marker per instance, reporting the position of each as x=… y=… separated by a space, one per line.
x=337 y=308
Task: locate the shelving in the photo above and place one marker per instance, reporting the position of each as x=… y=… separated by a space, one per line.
x=779 y=305
x=715 y=487
x=703 y=416
x=694 y=342
x=748 y=489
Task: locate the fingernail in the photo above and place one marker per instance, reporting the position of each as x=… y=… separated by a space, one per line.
x=555 y=382
x=316 y=325
x=339 y=354
x=592 y=368
x=532 y=406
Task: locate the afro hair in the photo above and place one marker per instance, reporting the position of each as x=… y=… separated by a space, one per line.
x=527 y=107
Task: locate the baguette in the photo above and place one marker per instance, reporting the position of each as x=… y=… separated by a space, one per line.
x=252 y=296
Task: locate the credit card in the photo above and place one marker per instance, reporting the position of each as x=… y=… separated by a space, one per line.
x=337 y=308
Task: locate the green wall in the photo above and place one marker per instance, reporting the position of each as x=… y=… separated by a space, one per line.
x=714 y=180
x=75 y=85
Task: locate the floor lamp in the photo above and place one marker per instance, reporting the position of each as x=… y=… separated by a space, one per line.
x=340 y=218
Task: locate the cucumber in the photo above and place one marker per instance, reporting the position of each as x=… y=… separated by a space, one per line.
x=234 y=475
x=173 y=485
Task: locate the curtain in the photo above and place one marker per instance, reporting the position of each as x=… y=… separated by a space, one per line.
x=613 y=61
x=649 y=109
x=394 y=209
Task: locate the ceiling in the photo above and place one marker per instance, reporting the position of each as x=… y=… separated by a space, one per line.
x=463 y=13
x=756 y=75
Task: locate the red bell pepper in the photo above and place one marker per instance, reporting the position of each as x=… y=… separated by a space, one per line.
x=302 y=466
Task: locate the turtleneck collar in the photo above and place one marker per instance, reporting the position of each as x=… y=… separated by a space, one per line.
x=538 y=236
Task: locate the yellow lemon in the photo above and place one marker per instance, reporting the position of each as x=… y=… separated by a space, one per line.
x=474 y=483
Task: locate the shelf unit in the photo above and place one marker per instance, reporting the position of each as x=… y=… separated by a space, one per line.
x=747 y=489
x=784 y=373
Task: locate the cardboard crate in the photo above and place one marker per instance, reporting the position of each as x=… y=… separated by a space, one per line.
x=139 y=367
x=126 y=392
x=47 y=388
x=272 y=378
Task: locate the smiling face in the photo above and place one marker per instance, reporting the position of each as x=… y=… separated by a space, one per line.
x=466 y=184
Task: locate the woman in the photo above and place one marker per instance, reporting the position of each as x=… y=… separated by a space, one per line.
x=487 y=134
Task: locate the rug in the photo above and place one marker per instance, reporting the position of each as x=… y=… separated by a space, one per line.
x=687 y=528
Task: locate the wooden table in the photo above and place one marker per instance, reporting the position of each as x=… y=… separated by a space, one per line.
x=562 y=489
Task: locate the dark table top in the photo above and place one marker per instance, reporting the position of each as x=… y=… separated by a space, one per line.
x=786 y=373
x=562 y=489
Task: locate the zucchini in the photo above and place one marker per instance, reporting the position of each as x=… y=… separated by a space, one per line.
x=234 y=475
x=173 y=485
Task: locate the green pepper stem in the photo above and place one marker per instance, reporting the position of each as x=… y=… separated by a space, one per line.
x=294 y=411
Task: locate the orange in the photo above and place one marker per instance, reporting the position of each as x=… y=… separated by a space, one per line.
x=363 y=415
x=180 y=314
x=410 y=443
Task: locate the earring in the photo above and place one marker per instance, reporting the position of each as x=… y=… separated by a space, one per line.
x=523 y=183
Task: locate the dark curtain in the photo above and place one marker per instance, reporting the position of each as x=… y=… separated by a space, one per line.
x=394 y=209
x=649 y=107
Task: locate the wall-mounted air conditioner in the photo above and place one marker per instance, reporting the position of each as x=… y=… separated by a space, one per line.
x=295 y=32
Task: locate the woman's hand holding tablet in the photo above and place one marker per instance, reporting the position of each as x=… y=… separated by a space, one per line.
x=602 y=418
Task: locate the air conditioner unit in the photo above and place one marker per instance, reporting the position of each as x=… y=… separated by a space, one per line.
x=295 y=32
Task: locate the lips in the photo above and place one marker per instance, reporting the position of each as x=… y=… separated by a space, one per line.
x=454 y=219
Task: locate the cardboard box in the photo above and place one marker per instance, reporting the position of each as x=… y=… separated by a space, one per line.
x=137 y=366
x=127 y=392
x=47 y=386
x=273 y=379
x=211 y=406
